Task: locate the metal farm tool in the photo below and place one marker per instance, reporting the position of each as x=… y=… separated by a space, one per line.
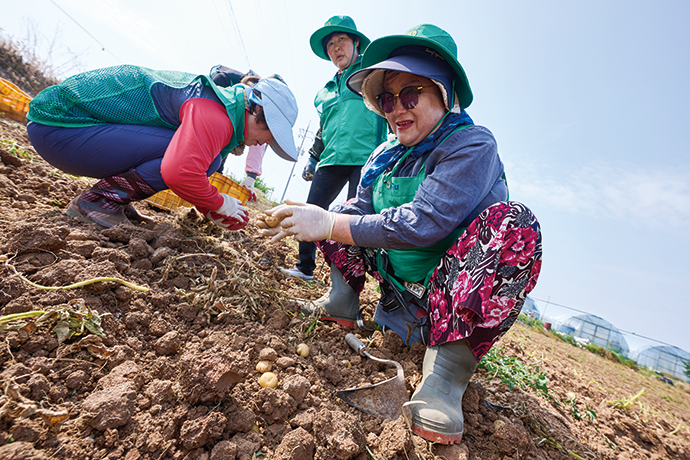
x=385 y=398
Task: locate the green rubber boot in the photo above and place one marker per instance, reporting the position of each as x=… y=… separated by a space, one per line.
x=436 y=405
x=339 y=304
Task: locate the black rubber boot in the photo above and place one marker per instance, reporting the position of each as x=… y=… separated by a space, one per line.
x=436 y=405
x=107 y=203
x=339 y=304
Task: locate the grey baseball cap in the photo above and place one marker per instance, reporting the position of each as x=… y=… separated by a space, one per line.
x=280 y=109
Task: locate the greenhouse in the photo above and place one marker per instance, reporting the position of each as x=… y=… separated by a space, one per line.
x=666 y=359
x=596 y=330
x=530 y=308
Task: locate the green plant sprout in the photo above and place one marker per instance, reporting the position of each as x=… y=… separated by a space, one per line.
x=625 y=404
x=514 y=372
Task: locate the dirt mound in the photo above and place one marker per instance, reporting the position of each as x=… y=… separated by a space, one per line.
x=164 y=367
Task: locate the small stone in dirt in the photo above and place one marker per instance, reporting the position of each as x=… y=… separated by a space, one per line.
x=21 y=451
x=268 y=354
x=285 y=362
x=297 y=386
x=134 y=319
x=394 y=439
x=304 y=419
x=112 y=407
x=195 y=433
x=240 y=420
x=296 y=445
x=159 y=391
x=247 y=444
x=139 y=249
x=122 y=373
x=40 y=386
x=160 y=254
x=17 y=372
x=76 y=379
x=452 y=452
x=338 y=435
x=169 y=344
x=510 y=437
x=224 y=450
x=275 y=404
x=159 y=327
x=187 y=311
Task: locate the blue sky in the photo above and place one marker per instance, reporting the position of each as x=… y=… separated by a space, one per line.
x=589 y=102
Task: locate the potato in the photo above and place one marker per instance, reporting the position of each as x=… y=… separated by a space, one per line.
x=272 y=221
x=303 y=350
x=268 y=380
x=263 y=366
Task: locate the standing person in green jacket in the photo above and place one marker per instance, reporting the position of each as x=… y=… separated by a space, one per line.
x=348 y=133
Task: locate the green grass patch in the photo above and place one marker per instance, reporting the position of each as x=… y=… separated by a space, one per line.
x=513 y=372
x=612 y=355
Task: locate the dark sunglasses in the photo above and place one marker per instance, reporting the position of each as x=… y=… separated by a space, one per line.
x=409 y=98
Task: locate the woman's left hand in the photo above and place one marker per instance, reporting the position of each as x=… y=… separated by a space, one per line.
x=306 y=222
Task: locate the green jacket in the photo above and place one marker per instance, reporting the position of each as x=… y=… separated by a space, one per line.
x=349 y=131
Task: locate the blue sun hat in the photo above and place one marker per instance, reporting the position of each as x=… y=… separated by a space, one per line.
x=280 y=109
x=425 y=50
x=342 y=24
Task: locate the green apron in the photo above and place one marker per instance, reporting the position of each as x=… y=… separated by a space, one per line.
x=414 y=265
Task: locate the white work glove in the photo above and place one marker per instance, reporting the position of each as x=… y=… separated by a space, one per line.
x=248 y=183
x=231 y=215
x=306 y=222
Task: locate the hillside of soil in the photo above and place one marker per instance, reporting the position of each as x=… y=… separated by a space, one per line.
x=163 y=367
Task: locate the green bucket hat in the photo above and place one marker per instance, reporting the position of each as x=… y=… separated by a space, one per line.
x=425 y=35
x=343 y=24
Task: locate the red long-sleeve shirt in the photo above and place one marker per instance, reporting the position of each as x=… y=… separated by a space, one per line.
x=204 y=130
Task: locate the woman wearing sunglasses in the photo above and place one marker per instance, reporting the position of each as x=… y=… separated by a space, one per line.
x=431 y=222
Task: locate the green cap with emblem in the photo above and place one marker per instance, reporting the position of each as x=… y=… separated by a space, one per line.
x=434 y=41
x=342 y=24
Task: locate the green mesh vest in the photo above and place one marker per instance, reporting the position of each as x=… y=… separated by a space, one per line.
x=122 y=94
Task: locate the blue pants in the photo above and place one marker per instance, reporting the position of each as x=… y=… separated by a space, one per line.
x=106 y=150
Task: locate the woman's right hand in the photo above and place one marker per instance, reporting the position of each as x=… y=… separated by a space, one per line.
x=306 y=222
x=231 y=215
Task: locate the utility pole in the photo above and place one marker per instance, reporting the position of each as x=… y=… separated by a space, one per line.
x=299 y=154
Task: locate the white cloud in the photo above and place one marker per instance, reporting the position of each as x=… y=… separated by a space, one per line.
x=653 y=197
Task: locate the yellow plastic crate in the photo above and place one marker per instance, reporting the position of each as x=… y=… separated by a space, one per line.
x=14 y=102
x=166 y=199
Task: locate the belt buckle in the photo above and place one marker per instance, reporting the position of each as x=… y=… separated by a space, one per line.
x=415 y=289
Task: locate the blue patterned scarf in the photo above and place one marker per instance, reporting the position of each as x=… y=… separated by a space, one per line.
x=393 y=154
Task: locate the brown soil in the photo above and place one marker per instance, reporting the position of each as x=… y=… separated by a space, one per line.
x=173 y=375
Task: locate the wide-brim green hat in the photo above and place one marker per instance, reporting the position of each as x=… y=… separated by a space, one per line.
x=342 y=24
x=429 y=36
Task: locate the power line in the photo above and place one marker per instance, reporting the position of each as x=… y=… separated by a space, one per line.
x=84 y=29
x=239 y=34
x=299 y=152
x=263 y=33
x=222 y=24
x=287 y=24
x=548 y=302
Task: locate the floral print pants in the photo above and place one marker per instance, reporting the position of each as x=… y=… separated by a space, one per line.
x=480 y=285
